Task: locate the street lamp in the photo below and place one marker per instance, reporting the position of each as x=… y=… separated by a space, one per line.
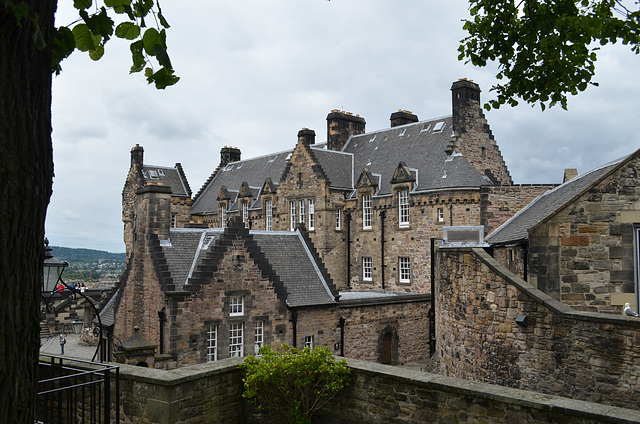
x=52 y=270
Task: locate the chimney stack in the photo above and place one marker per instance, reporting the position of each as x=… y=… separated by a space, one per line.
x=137 y=156
x=402 y=117
x=569 y=174
x=229 y=154
x=342 y=125
x=307 y=136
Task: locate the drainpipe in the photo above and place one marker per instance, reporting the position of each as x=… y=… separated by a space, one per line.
x=383 y=214
x=525 y=260
x=294 y=323
x=432 y=312
x=451 y=213
x=347 y=216
x=342 y=321
x=162 y=317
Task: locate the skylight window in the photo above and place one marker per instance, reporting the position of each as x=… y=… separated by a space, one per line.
x=161 y=172
x=425 y=127
x=373 y=137
x=228 y=168
x=240 y=165
x=402 y=132
x=207 y=242
x=438 y=127
x=288 y=156
x=153 y=174
x=273 y=159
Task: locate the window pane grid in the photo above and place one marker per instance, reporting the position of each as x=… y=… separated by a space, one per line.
x=405 y=270
x=269 y=214
x=366 y=211
x=235 y=339
x=212 y=348
x=223 y=216
x=367 y=269
x=245 y=214
x=236 y=306
x=403 y=208
x=302 y=211
x=292 y=208
x=259 y=336
x=312 y=212
x=338 y=219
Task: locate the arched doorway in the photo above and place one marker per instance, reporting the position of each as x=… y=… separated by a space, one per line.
x=386 y=347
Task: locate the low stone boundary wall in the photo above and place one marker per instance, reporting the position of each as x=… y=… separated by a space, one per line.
x=212 y=393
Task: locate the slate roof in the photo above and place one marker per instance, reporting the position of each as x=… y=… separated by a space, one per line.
x=421 y=146
x=338 y=167
x=517 y=228
x=254 y=171
x=286 y=253
x=172 y=177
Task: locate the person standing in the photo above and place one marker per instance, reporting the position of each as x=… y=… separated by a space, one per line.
x=63 y=341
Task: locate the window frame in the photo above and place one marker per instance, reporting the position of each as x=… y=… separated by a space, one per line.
x=338 y=219
x=245 y=214
x=292 y=215
x=236 y=306
x=223 y=215
x=367 y=268
x=367 y=213
x=403 y=208
x=440 y=214
x=268 y=206
x=236 y=342
x=303 y=211
x=404 y=269
x=212 y=343
x=312 y=214
x=258 y=336
x=309 y=341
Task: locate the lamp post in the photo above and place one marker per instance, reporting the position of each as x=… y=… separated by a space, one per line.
x=52 y=270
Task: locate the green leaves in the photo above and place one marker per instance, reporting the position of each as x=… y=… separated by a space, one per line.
x=543 y=48
x=292 y=384
x=95 y=29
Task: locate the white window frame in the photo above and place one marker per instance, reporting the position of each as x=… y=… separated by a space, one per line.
x=236 y=345
x=367 y=268
x=268 y=215
x=258 y=336
x=366 y=211
x=302 y=215
x=339 y=219
x=312 y=214
x=236 y=306
x=404 y=269
x=245 y=214
x=403 y=208
x=309 y=342
x=440 y=212
x=292 y=212
x=174 y=220
x=223 y=215
x=212 y=347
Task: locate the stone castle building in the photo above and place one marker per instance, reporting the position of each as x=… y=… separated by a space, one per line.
x=360 y=213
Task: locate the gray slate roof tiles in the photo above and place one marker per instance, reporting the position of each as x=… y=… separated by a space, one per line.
x=517 y=228
x=287 y=253
x=169 y=176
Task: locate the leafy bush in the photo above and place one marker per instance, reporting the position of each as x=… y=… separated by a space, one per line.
x=290 y=384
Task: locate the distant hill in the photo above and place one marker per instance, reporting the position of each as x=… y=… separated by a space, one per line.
x=90 y=266
x=84 y=255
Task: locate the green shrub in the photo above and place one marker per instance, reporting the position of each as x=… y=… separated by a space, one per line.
x=290 y=384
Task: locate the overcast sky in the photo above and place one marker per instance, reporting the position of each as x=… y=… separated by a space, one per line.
x=254 y=72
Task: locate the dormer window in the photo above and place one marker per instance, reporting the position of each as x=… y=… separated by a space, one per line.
x=245 y=214
x=223 y=215
x=268 y=214
x=366 y=212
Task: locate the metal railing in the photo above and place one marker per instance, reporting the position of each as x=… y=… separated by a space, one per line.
x=73 y=391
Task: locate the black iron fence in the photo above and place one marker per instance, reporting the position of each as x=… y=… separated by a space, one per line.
x=73 y=391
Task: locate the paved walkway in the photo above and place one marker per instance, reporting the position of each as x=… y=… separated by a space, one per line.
x=71 y=348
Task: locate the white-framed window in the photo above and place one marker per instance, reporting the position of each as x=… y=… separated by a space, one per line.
x=292 y=213
x=312 y=214
x=303 y=213
x=236 y=306
x=404 y=270
x=258 y=337
x=403 y=208
x=268 y=214
x=308 y=342
x=236 y=331
x=245 y=214
x=174 y=220
x=440 y=214
x=223 y=215
x=212 y=346
x=367 y=268
x=338 y=219
x=366 y=211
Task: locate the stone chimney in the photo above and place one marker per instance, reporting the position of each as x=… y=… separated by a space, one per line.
x=307 y=136
x=342 y=125
x=569 y=174
x=402 y=117
x=229 y=154
x=153 y=210
x=137 y=156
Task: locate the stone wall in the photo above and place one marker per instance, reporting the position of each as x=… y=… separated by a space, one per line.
x=583 y=255
x=211 y=393
x=586 y=356
x=499 y=203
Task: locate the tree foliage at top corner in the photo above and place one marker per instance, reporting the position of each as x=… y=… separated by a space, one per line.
x=140 y=21
x=545 y=49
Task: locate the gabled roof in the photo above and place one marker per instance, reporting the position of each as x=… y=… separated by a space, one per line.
x=252 y=171
x=517 y=228
x=422 y=147
x=284 y=257
x=172 y=177
x=337 y=166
